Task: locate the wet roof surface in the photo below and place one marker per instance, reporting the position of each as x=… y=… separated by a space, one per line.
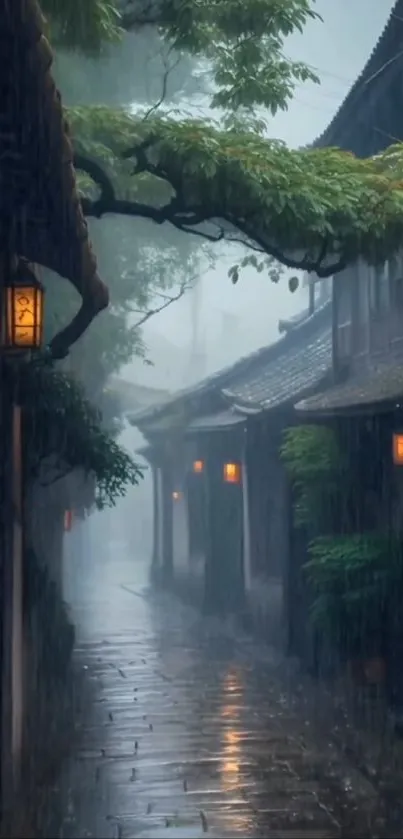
x=301 y=367
x=383 y=384
x=211 y=422
x=284 y=370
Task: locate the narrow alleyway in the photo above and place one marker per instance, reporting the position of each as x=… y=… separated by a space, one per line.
x=190 y=732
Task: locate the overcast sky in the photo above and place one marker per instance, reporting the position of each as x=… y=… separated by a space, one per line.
x=235 y=320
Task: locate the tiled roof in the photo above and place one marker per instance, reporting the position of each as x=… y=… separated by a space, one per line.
x=212 y=384
x=303 y=364
x=349 y=129
x=283 y=371
x=383 y=384
x=217 y=422
x=285 y=324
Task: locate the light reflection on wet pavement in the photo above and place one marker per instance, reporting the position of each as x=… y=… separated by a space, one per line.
x=189 y=731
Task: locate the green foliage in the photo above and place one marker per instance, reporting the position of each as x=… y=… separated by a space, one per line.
x=139 y=68
x=310 y=202
x=355 y=580
x=244 y=41
x=274 y=269
x=290 y=203
x=311 y=452
x=86 y=26
x=139 y=268
x=64 y=429
x=315 y=463
x=140 y=275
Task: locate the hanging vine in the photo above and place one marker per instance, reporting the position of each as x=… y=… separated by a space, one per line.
x=63 y=431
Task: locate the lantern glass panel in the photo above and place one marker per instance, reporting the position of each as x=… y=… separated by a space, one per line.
x=398 y=449
x=22 y=309
x=232 y=473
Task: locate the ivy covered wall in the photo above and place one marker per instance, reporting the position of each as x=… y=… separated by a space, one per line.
x=354 y=569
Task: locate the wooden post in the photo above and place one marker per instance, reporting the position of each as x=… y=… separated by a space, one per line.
x=224 y=569
x=11 y=574
x=246 y=528
x=167 y=525
x=12 y=617
x=311 y=292
x=156 y=522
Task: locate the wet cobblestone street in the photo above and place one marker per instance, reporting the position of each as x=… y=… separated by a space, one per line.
x=190 y=731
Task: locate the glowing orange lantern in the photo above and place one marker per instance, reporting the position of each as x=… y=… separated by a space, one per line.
x=232 y=473
x=68 y=519
x=23 y=297
x=198 y=466
x=398 y=449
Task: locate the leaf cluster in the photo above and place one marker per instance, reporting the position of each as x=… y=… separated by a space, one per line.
x=86 y=26
x=315 y=209
x=60 y=421
x=315 y=464
x=244 y=42
x=354 y=580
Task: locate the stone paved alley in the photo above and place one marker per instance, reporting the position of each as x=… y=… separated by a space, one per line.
x=190 y=731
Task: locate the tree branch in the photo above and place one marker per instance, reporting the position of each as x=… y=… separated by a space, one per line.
x=162 y=97
x=184 y=286
x=59 y=345
x=189 y=219
x=56 y=478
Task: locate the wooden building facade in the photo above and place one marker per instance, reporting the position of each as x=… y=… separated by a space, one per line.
x=221 y=495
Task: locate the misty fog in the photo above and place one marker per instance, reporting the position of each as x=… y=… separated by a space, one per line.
x=215 y=323
x=187 y=686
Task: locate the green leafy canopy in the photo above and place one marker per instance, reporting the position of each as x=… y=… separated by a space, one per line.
x=315 y=209
x=315 y=464
x=243 y=41
x=355 y=580
x=87 y=26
